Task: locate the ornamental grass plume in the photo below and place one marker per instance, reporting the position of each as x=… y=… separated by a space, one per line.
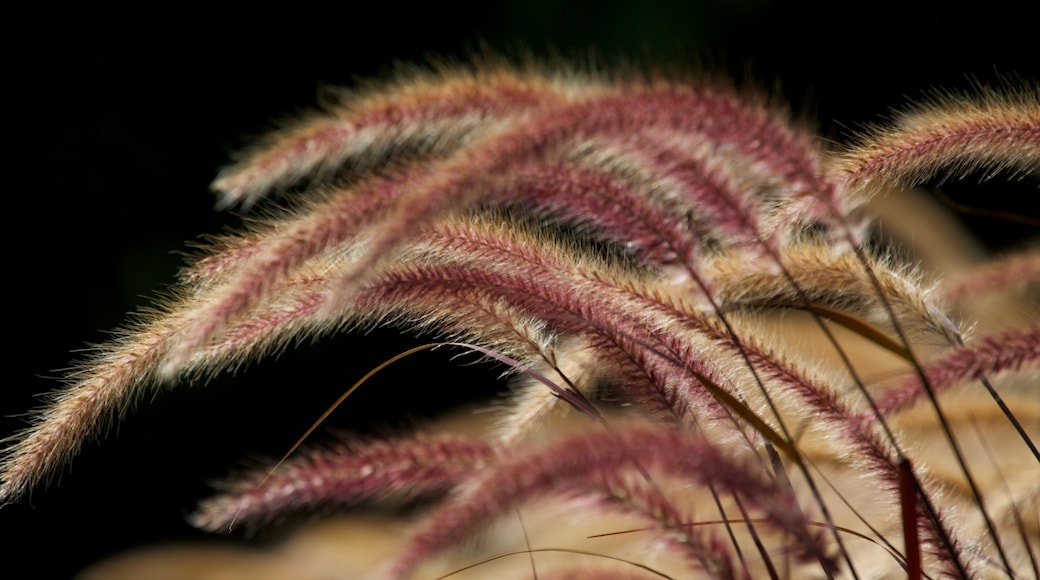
x=725 y=356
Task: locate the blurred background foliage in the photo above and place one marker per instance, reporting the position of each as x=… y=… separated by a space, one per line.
x=122 y=114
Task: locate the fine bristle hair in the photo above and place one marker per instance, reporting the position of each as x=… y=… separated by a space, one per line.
x=717 y=365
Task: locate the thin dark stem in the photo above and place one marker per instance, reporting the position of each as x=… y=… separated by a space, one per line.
x=756 y=539
x=908 y=492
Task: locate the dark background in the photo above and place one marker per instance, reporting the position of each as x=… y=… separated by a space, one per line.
x=122 y=116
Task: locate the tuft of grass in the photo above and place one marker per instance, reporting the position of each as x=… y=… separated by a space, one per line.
x=709 y=340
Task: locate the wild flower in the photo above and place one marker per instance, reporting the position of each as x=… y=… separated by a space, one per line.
x=720 y=362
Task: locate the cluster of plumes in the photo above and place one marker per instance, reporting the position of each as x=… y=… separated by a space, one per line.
x=709 y=347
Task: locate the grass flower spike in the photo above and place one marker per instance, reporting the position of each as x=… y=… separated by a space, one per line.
x=721 y=360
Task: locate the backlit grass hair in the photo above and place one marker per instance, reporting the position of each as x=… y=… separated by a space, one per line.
x=632 y=248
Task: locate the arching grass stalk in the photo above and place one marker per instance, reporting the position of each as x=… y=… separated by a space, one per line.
x=639 y=249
